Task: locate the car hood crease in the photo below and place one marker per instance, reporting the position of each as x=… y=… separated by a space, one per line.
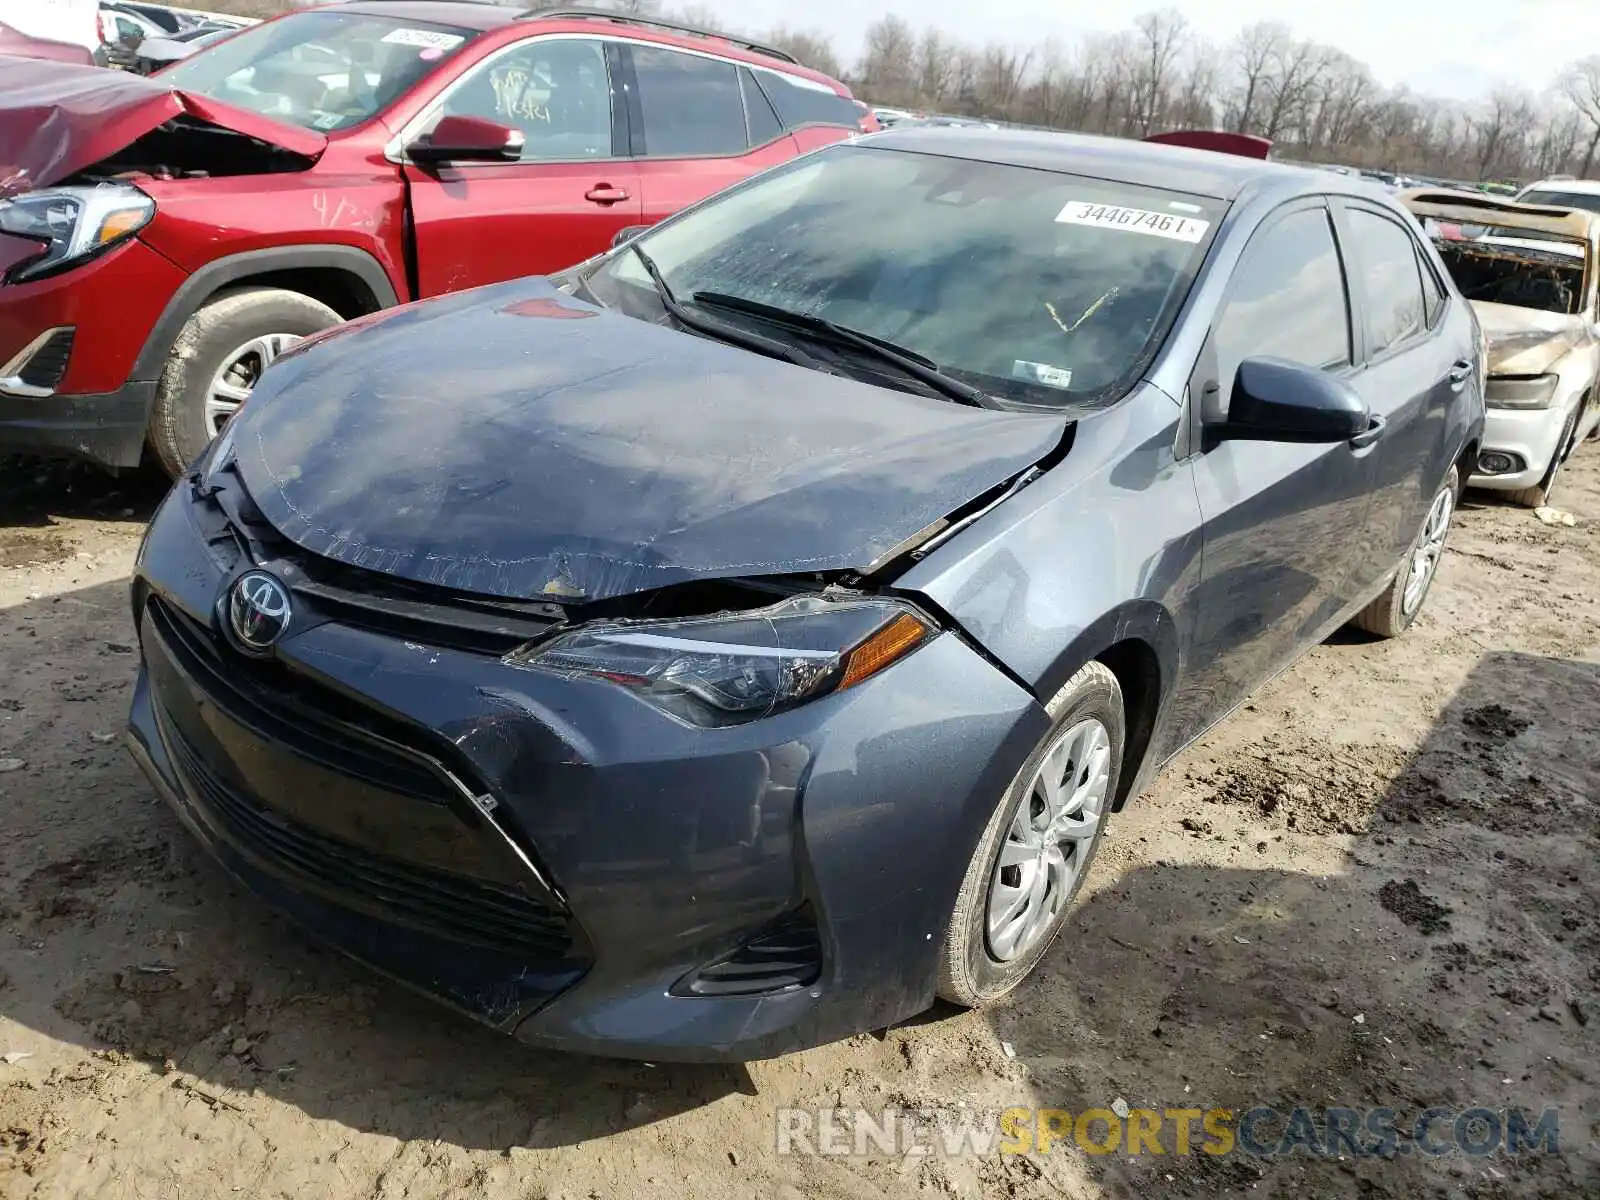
x=57 y=119
x=516 y=442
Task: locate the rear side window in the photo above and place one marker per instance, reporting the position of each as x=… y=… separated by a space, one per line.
x=763 y=123
x=1390 y=282
x=805 y=102
x=691 y=105
x=1288 y=299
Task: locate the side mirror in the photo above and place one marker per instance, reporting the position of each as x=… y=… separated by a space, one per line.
x=627 y=233
x=467 y=139
x=1275 y=400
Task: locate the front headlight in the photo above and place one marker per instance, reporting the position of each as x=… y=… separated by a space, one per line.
x=1520 y=391
x=73 y=223
x=739 y=666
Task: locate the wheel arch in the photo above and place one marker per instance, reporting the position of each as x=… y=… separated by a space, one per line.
x=1138 y=643
x=348 y=280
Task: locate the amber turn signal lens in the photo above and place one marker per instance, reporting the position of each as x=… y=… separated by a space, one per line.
x=895 y=640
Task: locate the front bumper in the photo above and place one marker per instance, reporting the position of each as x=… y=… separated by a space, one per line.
x=1532 y=435
x=93 y=408
x=657 y=848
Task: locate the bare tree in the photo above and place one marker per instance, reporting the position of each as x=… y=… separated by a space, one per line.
x=1255 y=51
x=1580 y=83
x=888 y=65
x=815 y=50
x=1161 y=36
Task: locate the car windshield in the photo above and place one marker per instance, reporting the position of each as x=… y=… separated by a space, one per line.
x=1503 y=264
x=323 y=70
x=1583 y=201
x=1034 y=286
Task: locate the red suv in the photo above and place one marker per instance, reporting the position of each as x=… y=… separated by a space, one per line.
x=162 y=239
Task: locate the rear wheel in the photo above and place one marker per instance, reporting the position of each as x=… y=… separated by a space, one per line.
x=217 y=360
x=1393 y=612
x=1539 y=494
x=1038 y=846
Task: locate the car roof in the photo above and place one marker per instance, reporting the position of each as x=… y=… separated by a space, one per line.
x=1580 y=187
x=468 y=14
x=485 y=16
x=1466 y=207
x=1146 y=164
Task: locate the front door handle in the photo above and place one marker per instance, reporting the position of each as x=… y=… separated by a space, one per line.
x=604 y=193
x=1460 y=372
x=1370 y=434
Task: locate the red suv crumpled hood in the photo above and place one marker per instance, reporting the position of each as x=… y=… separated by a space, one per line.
x=56 y=119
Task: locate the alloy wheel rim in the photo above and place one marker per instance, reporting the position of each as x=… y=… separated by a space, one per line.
x=1049 y=840
x=237 y=377
x=1425 y=558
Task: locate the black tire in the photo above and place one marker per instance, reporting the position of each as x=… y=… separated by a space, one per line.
x=1387 y=616
x=969 y=974
x=1539 y=494
x=178 y=426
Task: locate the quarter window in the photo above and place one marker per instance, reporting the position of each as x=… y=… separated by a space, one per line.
x=801 y=101
x=1391 y=285
x=691 y=105
x=762 y=121
x=1288 y=299
x=1432 y=292
x=557 y=91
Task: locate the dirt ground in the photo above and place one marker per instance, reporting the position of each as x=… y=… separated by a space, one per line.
x=1375 y=885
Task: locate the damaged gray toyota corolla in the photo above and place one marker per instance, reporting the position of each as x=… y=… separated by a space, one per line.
x=743 y=638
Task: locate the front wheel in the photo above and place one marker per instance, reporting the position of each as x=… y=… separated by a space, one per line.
x=217 y=360
x=1036 y=851
x=1539 y=494
x=1392 y=613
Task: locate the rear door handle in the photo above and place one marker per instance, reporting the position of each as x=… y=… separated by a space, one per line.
x=1460 y=372
x=604 y=193
x=1371 y=434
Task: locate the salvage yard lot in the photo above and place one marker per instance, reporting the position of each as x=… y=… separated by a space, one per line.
x=1376 y=884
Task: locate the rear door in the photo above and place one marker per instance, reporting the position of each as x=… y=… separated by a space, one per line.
x=573 y=190
x=699 y=125
x=1416 y=363
x=1280 y=518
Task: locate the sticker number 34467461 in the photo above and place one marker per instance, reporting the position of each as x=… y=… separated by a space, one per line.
x=1134 y=220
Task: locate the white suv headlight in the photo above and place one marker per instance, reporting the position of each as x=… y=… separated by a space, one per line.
x=73 y=223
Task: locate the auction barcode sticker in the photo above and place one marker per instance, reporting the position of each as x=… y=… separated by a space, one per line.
x=1134 y=220
x=426 y=39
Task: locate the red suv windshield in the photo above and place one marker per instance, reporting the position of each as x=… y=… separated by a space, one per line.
x=323 y=70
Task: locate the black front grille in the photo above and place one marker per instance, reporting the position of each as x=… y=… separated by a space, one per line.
x=448 y=906
x=48 y=365
x=308 y=720
x=789 y=955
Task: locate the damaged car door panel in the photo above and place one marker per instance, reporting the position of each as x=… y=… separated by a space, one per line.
x=703 y=684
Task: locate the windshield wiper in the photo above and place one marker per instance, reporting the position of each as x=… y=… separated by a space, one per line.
x=720 y=329
x=916 y=365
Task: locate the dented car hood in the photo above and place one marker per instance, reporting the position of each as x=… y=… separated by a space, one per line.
x=58 y=118
x=519 y=443
x=1526 y=341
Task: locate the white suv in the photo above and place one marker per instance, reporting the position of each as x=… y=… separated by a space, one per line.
x=1563 y=191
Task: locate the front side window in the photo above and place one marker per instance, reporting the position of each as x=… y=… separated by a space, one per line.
x=1287 y=299
x=1035 y=286
x=323 y=70
x=691 y=105
x=1390 y=282
x=557 y=91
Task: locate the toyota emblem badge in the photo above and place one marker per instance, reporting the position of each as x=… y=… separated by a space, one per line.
x=258 y=611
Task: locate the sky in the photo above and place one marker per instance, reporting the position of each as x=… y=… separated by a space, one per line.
x=1459 y=49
